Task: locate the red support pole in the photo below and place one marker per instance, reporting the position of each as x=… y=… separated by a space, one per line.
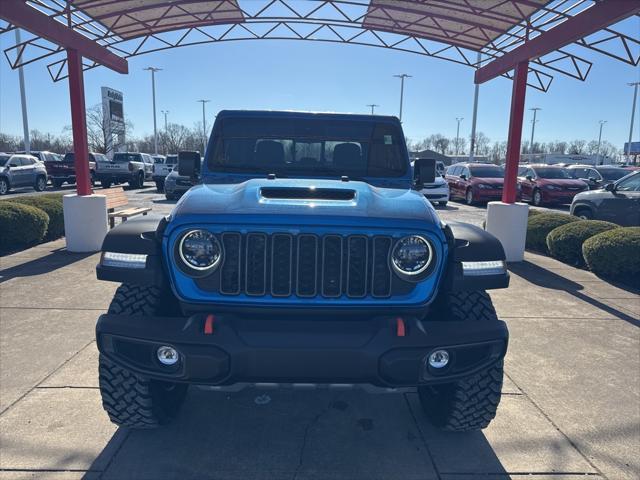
x=515 y=132
x=78 y=122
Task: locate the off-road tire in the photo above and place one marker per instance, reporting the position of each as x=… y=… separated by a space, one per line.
x=129 y=399
x=471 y=403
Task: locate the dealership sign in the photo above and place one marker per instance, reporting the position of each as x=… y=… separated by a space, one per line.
x=113 y=120
x=635 y=148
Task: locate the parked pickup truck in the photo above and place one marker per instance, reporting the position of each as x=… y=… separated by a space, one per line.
x=162 y=169
x=307 y=257
x=64 y=171
x=134 y=168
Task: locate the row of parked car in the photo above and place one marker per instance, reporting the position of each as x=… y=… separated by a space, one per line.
x=37 y=168
x=603 y=192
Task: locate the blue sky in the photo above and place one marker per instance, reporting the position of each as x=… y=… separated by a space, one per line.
x=329 y=77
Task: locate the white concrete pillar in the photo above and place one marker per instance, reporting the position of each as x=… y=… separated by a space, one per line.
x=508 y=222
x=85 y=222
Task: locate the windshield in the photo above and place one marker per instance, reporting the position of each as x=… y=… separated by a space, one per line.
x=4 y=159
x=613 y=173
x=126 y=157
x=552 y=173
x=313 y=147
x=487 y=172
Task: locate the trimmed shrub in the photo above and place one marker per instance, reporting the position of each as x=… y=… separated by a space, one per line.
x=21 y=225
x=52 y=207
x=615 y=253
x=54 y=196
x=565 y=242
x=539 y=226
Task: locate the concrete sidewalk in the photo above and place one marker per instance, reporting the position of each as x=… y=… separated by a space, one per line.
x=571 y=404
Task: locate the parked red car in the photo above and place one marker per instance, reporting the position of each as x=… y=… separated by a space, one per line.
x=540 y=184
x=475 y=182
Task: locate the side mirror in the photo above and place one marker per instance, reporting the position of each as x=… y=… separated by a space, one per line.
x=529 y=177
x=189 y=164
x=463 y=176
x=610 y=187
x=593 y=179
x=424 y=171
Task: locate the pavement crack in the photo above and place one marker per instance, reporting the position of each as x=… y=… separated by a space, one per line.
x=49 y=375
x=307 y=429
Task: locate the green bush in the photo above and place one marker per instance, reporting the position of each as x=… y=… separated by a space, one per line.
x=539 y=226
x=565 y=242
x=53 y=207
x=615 y=253
x=21 y=225
x=53 y=196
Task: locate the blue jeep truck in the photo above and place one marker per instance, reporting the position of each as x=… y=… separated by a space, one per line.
x=305 y=257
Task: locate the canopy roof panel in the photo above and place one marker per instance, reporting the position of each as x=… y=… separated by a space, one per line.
x=453 y=30
x=470 y=24
x=134 y=18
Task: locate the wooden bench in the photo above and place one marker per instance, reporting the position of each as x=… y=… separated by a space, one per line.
x=116 y=198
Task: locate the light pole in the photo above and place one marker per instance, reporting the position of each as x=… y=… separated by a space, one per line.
x=472 y=148
x=458 y=119
x=373 y=106
x=633 y=111
x=402 y=76
x=23 y=101
x=602 y=122
x=204 y=126
x=165 y=113
x=153 y=71
x=533 y=127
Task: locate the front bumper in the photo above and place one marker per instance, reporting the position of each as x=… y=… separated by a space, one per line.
x=267 y=350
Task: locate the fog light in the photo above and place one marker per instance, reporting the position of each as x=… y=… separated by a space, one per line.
x=439 y=359
x=168 y=355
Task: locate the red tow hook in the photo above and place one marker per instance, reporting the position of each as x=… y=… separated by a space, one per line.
x=400 y=328
x=208 y=324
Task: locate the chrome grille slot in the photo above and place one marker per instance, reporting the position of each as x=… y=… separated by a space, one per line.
x=281 y=264
x=256 y=264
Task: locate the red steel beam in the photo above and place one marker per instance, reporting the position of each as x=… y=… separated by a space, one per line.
x=78 y=122
x=515 y=132
x=601 y=15
x=20 y=14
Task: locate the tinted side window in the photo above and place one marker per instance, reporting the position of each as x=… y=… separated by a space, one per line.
x=629 y=185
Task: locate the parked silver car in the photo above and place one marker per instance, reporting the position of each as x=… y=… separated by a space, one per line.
x=21 y=170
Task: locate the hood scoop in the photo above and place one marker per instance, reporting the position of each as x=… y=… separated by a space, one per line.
x=307 y=193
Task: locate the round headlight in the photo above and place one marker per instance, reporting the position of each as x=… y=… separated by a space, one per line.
x=200 y=250
x=411 y=255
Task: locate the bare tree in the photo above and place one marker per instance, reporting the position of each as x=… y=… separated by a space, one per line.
x=440 y=143
x=577 y=147
x=174 y=137
x=498 y=152
x=482 y=144
x=97 y=130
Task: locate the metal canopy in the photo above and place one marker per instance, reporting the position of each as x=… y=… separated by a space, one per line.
x=453 y=30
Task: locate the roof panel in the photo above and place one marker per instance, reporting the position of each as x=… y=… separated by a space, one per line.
x=134 y=18
x=468 y=23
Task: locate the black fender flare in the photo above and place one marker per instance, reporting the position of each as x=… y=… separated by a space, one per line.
x=470 y=243
x=141 y=236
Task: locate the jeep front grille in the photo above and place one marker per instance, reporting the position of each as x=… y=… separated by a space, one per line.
x=304 y=265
